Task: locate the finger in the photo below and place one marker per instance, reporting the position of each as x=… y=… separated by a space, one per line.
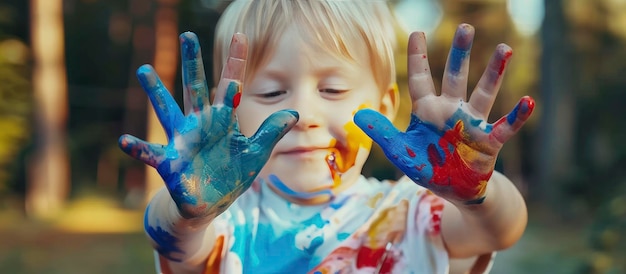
x=235 y=66
x=166 y=108
x=484 y=94
x=233 y=95
x=150 y=154
x=376 y=126
x=454 y=83
x=195 y=88
x=420 y=78
x=274 y=128
x=510 y=124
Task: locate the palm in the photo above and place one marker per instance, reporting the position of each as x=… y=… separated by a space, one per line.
x=207 y=162
x=449 y=147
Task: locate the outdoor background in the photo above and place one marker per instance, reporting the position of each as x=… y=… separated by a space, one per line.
x=72 y=202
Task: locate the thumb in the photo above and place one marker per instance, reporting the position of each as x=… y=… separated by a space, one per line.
x=151 y=154
x=376 y=126
x=274 y=128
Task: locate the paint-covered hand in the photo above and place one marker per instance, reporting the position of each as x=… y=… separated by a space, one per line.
x=449 y=147
x=207 y=163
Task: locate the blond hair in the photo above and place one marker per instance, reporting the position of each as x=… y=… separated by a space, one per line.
x=340 y=27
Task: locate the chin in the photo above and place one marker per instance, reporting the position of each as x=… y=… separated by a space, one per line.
x=306 y=181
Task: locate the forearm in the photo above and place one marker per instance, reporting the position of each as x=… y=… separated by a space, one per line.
x=185 y=243
x=495 y=224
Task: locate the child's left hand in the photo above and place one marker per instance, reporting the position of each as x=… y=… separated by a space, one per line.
x=449 y=147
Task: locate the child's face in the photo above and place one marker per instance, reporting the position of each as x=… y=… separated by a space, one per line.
x=326 y=91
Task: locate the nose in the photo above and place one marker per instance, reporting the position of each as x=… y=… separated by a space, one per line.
x=309 y=107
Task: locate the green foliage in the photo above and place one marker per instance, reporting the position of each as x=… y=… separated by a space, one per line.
x=15 y=108
x=607 y=239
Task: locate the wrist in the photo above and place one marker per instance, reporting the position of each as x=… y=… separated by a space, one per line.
x=174 y=237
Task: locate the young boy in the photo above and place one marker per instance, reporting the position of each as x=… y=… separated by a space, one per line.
x=267 y=178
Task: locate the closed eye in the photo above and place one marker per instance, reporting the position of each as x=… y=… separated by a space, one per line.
x=333 y=91
x=272 y=94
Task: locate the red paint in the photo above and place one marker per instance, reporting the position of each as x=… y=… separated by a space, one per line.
x=370 y=126
x=451 y=171
x=504 y=60
x=236 y=99
x=420 y=167
x=436 y=208
x=368 y=257
x=410 y=152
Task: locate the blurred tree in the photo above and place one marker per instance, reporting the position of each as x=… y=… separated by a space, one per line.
x=141 y=14
x=49 y=173
x=15 y=109
x=166 y=65
x=16 y=97
x=555 y=145
x=596 y=187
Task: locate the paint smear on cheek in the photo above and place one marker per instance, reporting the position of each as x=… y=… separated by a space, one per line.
x=340 y=160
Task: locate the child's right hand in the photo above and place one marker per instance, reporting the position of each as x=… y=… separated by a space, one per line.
x=207 y=162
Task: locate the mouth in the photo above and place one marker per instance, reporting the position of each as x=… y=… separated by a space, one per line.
x=306 y=152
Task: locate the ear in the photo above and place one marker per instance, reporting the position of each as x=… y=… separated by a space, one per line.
x=390 y=102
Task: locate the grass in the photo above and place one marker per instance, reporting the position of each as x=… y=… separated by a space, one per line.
x=93 y=235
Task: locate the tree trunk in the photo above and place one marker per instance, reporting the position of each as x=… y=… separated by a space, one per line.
x=48 y=179
x=166 y=65
x=556 y=126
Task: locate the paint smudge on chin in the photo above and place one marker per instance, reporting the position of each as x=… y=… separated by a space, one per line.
x=340 y=158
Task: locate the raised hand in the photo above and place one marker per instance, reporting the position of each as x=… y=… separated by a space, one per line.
x=449 y=147
x=207 y=162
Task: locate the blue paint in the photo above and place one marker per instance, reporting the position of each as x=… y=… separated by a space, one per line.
x=338 y=203
x=342 y=236
x=276 y=182
x=190 y=48
x=193 y=76
x=461 y=115
x=231 y=90
x=419 y=136
x=273 y=253
x=457 y=57
x=165 y=106
x=208 y=163
x=166 y=243
x=522 y=107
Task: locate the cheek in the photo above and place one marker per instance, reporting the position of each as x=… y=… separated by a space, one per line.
x=350 y=140
x=250 y=118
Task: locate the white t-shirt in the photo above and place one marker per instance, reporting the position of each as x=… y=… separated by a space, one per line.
x=372 y=227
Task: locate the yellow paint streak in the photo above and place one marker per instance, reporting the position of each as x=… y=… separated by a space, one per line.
x=388 y=226
x=374 y=200
x=356 y=139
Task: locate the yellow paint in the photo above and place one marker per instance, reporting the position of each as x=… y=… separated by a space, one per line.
x=356 y=139
x=374 y=200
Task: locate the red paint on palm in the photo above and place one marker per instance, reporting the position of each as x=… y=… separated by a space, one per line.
x=452 y=171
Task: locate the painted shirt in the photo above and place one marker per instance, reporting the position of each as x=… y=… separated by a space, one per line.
x=372 y=227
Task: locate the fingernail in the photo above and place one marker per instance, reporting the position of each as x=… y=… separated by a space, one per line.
x=504 y=54
x=189 y=45
x=461 y=46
